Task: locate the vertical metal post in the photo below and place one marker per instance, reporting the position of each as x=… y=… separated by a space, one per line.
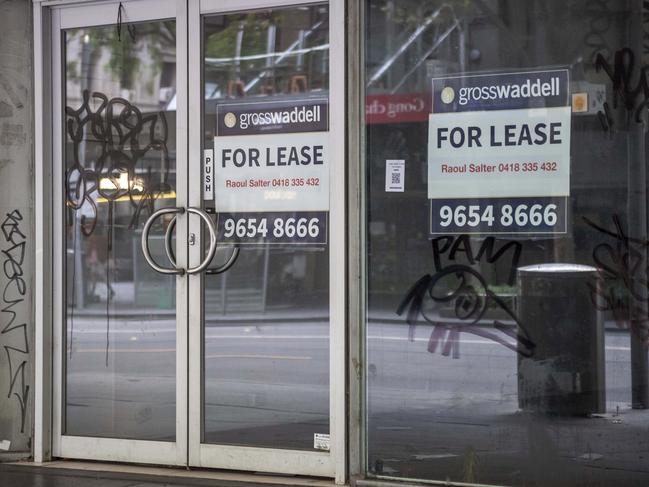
x=264 y=285
x=300 y=57
x=270 y=46
x=237 y=50
x=270 y=51
x=356 y=12
x=224 y=293
x=389 y=36
x=462 y=44
x=637 y=228
x=43 y=405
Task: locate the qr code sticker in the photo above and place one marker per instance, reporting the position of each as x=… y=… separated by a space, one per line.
x=394 y=175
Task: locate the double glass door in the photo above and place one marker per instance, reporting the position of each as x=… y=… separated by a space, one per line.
x=199 y=202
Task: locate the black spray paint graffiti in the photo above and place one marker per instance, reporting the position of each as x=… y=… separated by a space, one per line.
x=635 y=98
x=121 y=137
x=108 y=144
x=13 y=295
x=623 y=270
x=466 y=290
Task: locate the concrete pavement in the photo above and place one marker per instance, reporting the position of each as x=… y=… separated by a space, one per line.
x=76 y=474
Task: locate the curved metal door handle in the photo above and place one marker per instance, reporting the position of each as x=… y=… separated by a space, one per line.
x=212 y=250
x=209 y=271
x=227 y=265
x=169 y=250
x=145 y=242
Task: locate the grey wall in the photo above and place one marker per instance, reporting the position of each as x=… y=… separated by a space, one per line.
x=16 y=228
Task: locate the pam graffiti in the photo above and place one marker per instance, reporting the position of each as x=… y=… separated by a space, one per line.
x=622 y=267
x=14 y=328
x=465 y=290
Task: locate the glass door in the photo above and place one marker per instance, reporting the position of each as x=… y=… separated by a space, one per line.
x=119 y=85
x=267 y=388
x=200 y=313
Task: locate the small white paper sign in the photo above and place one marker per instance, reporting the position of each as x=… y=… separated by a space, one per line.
x=395 y=173
x=5 y=445
x=208 y=174
x=321 y=441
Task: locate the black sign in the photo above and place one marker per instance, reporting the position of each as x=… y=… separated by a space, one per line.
x=505 y=91
x=529 y=215
x=249 y=228
x=268 y=117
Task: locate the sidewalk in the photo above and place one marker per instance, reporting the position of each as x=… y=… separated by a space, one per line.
x=77 y=474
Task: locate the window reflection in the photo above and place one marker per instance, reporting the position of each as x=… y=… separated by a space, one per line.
x=120 y=166
x=266 y=334
x=481 y=369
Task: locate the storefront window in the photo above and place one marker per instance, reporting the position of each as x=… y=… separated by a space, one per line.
x=506 y=229
x=120 y=165
x=266 y=333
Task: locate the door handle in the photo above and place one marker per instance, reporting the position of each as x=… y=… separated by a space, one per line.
x=169 y=249
x=212 y=249
x=231 y=260
x=210 y=254
x=145 y=241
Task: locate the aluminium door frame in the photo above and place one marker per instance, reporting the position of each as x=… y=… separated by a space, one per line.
x=64 y=16
x=47 y=365
x=326 y=464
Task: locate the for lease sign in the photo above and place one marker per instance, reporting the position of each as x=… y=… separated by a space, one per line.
x=499 y=144
x=280 y=172
x=271 y=171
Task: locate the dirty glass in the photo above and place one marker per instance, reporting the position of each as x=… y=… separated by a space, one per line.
x=120 y=165
x=513 y=355
x=266 y=319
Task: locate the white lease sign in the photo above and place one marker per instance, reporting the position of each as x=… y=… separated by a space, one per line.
x=486 y=154
x=274 y=172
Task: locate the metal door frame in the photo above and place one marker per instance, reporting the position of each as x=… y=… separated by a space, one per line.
x=67 y=16
x=49 y=17
x=326 y=464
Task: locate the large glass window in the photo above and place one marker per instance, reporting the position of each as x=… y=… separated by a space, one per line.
x=266 y=321
x=506 y=228
x=120 y=165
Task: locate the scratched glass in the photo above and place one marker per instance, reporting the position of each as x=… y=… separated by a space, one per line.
x=507 y=358
x=120 y=163
x=266 y=321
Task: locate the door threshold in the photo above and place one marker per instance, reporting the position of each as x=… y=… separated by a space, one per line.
x=170 y=472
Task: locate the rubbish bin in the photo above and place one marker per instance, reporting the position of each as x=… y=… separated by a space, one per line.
x=556 y=309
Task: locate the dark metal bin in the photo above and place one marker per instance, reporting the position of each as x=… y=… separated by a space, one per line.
x=565 y=373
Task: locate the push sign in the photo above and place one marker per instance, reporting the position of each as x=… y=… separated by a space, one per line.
x=499 y=153
x=271 y=172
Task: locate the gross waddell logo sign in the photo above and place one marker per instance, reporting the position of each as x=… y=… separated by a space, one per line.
x=537 y=89
x=285 y=116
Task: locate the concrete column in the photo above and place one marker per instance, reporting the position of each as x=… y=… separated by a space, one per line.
x=16 y=229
